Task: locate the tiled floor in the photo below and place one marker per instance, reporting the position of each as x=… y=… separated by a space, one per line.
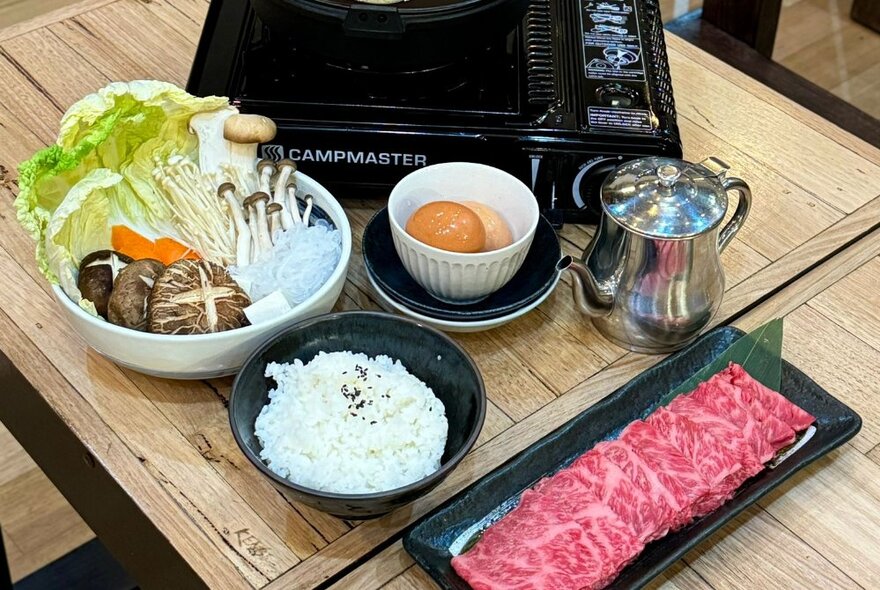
x=816 y=38
x=39 y=526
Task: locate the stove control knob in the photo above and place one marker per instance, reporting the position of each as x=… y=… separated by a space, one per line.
x=618 y=95
x=587 y=184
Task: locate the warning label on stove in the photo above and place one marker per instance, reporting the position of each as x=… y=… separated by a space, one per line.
x=612 y=118
x=612 y=45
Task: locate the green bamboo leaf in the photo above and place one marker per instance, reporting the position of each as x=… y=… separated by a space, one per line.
x=759 y=353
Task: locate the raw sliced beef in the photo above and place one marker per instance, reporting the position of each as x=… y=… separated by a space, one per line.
x=611 y=546
x=774 y=402
x=776 y=432
x=578 y=529
x=721 y=468
x=672 y=503
x=508 y=555
x=612 y=486
x=551 y=541
x=674 y=470
x=565 y=482
x=719 y=427
x=498 y=560
x=723 y=398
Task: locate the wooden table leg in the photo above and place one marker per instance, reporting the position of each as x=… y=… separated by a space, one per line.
x=5 y=575
x=866 y=12
x=105 y=505
x=754 y=22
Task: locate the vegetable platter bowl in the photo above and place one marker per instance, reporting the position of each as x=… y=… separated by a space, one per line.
x=202 y=356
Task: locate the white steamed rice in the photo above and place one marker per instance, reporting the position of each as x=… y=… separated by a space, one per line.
x=347 y=423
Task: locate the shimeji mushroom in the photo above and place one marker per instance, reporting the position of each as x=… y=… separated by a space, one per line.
x=293 y=204
x=226 y=191
x=252 y=226
x=308 y=212
x=257 y=204
x=274 y=211
x=285 y=169
x=266 y=170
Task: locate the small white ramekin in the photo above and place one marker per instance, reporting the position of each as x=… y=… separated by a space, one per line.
x=454 y=277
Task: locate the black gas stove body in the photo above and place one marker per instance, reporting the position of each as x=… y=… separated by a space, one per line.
x=577 y=88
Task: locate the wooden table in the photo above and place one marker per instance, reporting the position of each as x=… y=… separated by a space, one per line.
x=151 y=464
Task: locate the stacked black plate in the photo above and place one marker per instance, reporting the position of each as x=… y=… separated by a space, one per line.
x=398 y=291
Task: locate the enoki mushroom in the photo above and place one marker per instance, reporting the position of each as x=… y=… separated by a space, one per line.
x=198 y=214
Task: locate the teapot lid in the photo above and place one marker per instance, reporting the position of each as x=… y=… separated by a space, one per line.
x=666 y=198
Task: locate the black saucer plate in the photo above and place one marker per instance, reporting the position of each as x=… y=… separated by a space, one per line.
x=531 y=281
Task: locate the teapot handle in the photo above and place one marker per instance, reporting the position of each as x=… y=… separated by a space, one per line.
x=742 y=211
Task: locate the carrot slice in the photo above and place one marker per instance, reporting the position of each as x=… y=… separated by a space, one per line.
x=136 y=246
x=131 y=243
x=169 y=250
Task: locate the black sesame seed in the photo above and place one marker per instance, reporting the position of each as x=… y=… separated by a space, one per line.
x=373 y=422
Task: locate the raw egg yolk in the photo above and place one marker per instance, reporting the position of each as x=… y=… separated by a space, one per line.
x=448 y=226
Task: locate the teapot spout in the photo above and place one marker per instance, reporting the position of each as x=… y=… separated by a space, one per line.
x=588 y=296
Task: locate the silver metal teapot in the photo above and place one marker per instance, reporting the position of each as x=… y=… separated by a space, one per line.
x=651 y=279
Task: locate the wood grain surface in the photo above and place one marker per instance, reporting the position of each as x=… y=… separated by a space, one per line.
x=168 y=445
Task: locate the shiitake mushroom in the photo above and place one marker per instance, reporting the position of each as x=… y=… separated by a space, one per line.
x=131 y=293
x=97 y=273
x=196 y=297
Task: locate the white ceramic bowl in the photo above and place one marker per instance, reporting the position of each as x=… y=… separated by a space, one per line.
x=451 y=276
x=210 y=355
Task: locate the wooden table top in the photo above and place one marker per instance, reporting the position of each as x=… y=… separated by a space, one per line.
x=809 y=251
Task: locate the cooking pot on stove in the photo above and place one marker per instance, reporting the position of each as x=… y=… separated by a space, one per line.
x=410 y=34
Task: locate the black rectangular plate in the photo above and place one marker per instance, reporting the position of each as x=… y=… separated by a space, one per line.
x=430 y=539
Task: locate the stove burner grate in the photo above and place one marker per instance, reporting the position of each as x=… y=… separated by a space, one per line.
x=486 y=81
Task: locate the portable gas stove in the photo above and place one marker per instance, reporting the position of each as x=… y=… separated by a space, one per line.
x=557 y=92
